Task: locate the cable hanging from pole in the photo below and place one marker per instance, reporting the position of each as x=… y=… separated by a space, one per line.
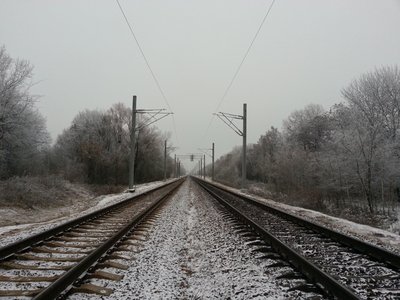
x=148 y=66
x=240 y=65
x=227 y=119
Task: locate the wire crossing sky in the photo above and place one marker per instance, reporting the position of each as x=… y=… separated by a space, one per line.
x=149 y=67
x=198 y=56
x=239 y=67
x=244 y=57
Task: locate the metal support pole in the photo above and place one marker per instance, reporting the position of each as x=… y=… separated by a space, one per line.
x=204 y=167
x=165 y=160
x=133 y=142
x=243 y=183
x=201 y=167
x=179 y=168
x=212 y=167
x=175 y=167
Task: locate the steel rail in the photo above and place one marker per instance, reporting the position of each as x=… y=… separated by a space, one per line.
x=64 y=283
x=310 y=270
x=390 y=258
x=24 y=244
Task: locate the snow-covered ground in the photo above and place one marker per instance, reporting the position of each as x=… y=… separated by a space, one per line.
x=9 y=234
x=376 y=236
x=192 y=252
x=75 y=197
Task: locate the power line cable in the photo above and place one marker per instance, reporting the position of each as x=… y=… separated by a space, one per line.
x=240 y=65
x=148 y=66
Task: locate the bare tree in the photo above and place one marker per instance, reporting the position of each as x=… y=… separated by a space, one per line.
x=23 y=133
x=376 y=96
x=359 y=140
x=371 y=123
x=308 y=127
x=15 y=99
x=96 y=146
x=263 y=156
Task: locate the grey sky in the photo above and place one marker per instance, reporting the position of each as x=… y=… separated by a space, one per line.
x=307 y=51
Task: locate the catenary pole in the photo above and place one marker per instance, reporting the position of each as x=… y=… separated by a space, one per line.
x=204 y=167
x=228 y=119
x=133 y=142
x=165 y=160
x=212 y=167
x=201 y=167
x=244 y=146
x=175 y=167
x=155 y=115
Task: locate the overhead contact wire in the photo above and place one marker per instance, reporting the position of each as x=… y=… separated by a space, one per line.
x=148 y=66
x=240 y=65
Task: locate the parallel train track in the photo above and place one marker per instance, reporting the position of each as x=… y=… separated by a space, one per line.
x=57 y=262
x=342 y=266
x=53 y=263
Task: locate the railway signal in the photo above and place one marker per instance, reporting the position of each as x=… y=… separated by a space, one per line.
x=192 y=157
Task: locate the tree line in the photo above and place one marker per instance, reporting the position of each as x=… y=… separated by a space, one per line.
x=349 y=152
x=94 y=149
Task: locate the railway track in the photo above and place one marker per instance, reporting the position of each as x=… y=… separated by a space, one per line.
x=342 y=266
x=54 y=263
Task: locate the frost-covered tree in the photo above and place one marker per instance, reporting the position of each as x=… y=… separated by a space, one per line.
x=227 y=167
x=359 y=140
x=308 y=127
x=350 y=152
x=96 y=147
x=23 y=133
x=262 y=157
x=376 y=98
x=369 y=129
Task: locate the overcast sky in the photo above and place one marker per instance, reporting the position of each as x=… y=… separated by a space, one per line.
x=306 y=52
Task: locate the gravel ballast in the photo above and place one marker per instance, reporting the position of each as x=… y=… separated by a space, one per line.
x=192 y=252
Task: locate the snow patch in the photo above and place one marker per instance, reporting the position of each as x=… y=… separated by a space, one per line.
x=13 y=233
x=376 y=236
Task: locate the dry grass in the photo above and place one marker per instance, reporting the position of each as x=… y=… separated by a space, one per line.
x=355 y=210
x=34 y=192
x=47 y=192
x=38 y=199
x=106 y=189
